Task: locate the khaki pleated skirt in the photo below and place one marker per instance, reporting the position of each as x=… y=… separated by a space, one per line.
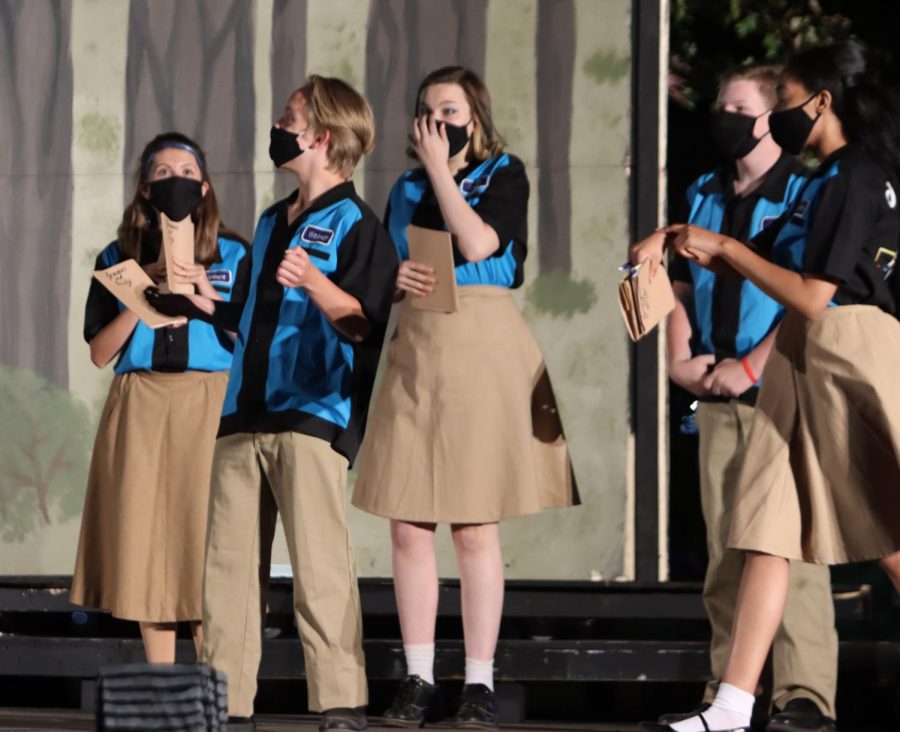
x=465 y=427
x=821 y=477
x=143 y=530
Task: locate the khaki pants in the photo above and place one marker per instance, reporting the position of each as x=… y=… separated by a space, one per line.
x=804 y=654
x=255 y=476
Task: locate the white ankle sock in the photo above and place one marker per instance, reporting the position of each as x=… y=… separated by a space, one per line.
x=480 y=672
x=731 y=709
x=420 y=660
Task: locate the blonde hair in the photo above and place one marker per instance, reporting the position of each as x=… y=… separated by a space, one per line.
x=766 y=77
x=486 y=140
x=334 y=106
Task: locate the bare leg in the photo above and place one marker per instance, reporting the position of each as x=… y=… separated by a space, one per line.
x=159 y=641
x=480 y=564
x=891 y=565
x=760 y=607
x=415 y=580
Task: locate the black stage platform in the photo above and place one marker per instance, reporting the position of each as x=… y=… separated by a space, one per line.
x=569 y=651
x=64 y=720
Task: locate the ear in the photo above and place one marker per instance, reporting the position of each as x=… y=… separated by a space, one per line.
x=204 y=188
x=144 y=190
x=323 y=138
x=823 y=101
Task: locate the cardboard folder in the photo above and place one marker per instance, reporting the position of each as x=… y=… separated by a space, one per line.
x=127 y=281
x=644 y=303
x=434 y=248
x=177 y=242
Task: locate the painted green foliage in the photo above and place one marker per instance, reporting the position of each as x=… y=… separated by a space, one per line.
x=45 y=448
x=607 y=67
x=558 y=294
x=100 y=134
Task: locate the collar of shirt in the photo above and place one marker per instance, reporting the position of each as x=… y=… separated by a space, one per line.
x=837 y=155
x=331 y=196
x=772 y=187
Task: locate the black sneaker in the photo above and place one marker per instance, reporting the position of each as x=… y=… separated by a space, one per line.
x=344 y=718
x=800 y=715
x=477 y=708
x=680 y=717
x=241 y=724
x=415 y=703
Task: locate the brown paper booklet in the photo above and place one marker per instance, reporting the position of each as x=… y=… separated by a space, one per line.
x=177 y=241
x=434 y=248
x=644 y=303
x=127 y=281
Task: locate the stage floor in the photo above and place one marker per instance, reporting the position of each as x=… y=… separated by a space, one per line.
x=69 y=720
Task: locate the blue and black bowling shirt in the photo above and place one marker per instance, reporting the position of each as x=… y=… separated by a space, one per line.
x=292 y=370
x=497 y=189
x=843 y=227
x=730 y=315
x=197 y=346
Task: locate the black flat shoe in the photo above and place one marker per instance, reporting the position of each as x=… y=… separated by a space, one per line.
x=800 y=715
x=680 y=717
x=657 y=727
x=415 y=703
x=241 y=724
x=477 y=708
x=353 y=718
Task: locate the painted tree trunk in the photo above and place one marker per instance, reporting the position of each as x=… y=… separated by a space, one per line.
x=35 y=186
x=555 y=44
x=190 y=69
x=406 y=40
x=288 y=64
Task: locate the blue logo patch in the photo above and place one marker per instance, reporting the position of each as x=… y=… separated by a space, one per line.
x=219 y=276
x=316 y=235
x=475 y=185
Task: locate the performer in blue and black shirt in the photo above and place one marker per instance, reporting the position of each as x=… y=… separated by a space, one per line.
x=719 y=337
x=309 y=336
x=464 y=429
x=143 y=532
x=819 y=478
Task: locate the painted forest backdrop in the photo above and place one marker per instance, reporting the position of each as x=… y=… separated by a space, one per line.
x=85 y=83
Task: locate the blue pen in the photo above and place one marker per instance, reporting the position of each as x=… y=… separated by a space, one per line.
x=627 y=266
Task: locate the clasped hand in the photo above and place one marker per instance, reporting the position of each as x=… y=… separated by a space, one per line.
x=690 y=241
x=296 y=269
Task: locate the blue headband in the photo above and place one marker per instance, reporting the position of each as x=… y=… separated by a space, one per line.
x=166 y=144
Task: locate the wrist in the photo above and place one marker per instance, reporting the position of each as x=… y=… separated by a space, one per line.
x=312 y=280
x=438 y=171
x=749 y=370
x=727 y=248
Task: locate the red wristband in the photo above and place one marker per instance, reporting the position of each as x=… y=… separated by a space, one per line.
x=746 y=364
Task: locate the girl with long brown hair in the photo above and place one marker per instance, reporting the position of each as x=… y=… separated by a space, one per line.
x=140 y=555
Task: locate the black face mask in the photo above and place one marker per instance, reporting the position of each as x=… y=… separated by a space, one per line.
x=176 y=197
x=283 y=146
x=791 y=127
x=457 y=136
x=732 y=134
